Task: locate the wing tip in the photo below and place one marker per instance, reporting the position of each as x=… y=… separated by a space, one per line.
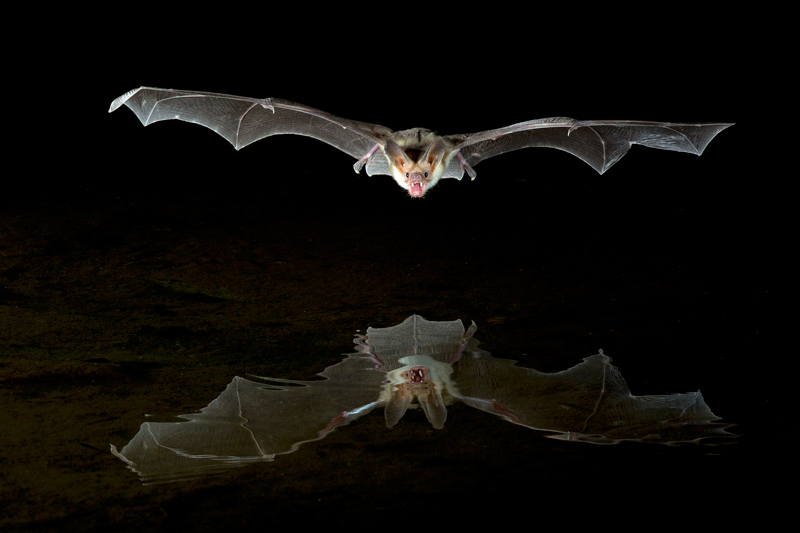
x=118 y=102
x=720 y=127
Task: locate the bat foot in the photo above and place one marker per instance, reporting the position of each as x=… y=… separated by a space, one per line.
x=467 y=168
x=364 y=160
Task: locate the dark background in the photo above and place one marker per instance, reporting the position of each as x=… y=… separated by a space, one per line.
x=143 y=268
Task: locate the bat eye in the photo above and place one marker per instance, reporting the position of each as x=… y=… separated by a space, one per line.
x=406 y=174
x=426 y=174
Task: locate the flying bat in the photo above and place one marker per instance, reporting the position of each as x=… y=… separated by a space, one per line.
x=416 y=158
x=427 y=365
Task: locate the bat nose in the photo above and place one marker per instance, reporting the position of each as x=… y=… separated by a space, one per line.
x=416 y=176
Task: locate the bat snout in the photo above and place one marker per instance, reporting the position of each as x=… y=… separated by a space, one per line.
x=417 y=184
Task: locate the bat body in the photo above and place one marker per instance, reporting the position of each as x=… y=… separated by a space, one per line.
x=416 y=158
x=417 y=363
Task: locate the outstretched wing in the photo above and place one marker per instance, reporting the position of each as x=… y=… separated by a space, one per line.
x=252 y=422
x=600 y=143
x=589 y=402
x=244 y=120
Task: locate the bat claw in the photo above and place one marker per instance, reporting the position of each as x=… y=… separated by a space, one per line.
x=267 y=104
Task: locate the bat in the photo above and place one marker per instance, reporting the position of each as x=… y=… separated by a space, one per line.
x=418 y=363
x=416 y=158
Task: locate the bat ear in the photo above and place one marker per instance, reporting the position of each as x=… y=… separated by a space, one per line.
x=396 y=154
x=434 y=408
x=435 y=152
x=396 y=407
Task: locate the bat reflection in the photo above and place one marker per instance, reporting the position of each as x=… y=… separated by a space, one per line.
x=417 y=363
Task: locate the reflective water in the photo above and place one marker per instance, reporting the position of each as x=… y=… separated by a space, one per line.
x=123 y=307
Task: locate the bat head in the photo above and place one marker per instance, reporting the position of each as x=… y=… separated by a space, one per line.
x=423 y=380
x=417 y=168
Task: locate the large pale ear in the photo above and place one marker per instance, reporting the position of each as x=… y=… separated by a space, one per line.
x=396 y=407
x=435 y=152
x=396 y=154
x=434 y=408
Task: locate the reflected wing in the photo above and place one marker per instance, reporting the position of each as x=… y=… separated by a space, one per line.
x=252 y=422
x=244 y=120
x=598 y=143
x=588 y=402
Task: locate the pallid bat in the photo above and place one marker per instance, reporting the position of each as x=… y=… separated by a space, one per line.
x=416 y=158
x=418 y=363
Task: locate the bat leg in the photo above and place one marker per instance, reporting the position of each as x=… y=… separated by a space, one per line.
x=364 y=160
x=463 y=344
x=466 y=167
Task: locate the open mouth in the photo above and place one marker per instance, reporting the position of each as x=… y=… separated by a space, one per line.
x=418 y=374
x=416 y=188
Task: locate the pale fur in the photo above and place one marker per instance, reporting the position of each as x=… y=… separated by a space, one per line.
x=419 y=139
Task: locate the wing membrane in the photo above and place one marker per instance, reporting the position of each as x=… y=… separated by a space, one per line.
x=600 y=144
x=242 y=121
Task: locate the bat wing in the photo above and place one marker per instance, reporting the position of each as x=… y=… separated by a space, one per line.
x=589 y=402
x=599 y=143
x=243 y=121
x=252 y=422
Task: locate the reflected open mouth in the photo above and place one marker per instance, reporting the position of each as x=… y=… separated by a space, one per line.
x=418 y=374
